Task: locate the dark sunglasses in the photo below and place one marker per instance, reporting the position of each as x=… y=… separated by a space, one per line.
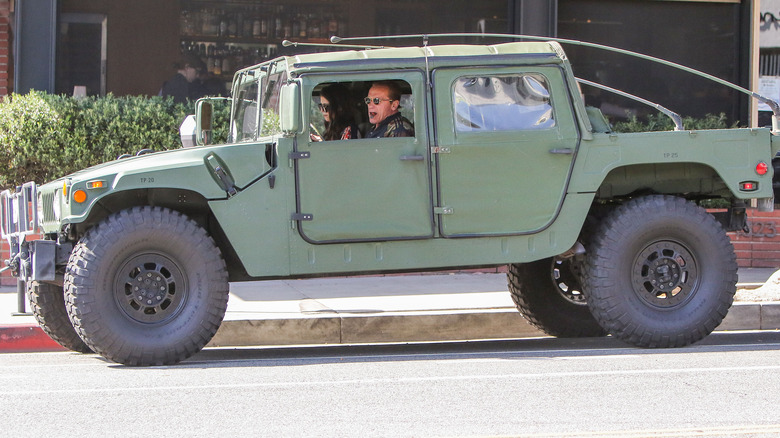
x=376 y=100
x=324 y=108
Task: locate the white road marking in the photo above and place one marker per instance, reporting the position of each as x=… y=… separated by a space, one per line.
x=400 y=380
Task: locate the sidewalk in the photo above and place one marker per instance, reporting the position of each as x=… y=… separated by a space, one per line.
x=404 y=308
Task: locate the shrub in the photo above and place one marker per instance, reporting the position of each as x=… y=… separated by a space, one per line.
x=660 y=122
x=44 y=136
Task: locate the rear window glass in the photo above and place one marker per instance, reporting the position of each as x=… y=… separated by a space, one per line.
x=502 y=103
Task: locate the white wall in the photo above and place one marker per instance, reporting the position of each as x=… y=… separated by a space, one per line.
x=769 y=29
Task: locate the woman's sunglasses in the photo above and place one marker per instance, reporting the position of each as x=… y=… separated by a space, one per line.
x=323 y=107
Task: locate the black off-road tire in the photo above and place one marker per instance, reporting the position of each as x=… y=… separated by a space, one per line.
x=47 y=302
x=146 y=286
x=660 y=272
x=549 y=296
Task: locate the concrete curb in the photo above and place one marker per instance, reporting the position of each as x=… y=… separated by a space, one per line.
x=399 y=327
x=430 y=327
x=25 y=338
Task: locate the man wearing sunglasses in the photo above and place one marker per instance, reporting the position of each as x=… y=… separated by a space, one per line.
x=383 y=101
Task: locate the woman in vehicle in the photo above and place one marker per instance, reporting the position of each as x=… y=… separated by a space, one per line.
x=337 y=110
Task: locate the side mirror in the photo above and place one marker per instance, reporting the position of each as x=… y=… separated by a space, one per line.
x=204 y=119
x=289 y=108
x=204 y=111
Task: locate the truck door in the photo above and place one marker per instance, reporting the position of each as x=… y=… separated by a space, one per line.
x=366 y=189
x=506 y=141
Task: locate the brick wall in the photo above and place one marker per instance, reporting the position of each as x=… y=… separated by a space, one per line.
x=5 y=278
x=5 y=47
x=758 y=249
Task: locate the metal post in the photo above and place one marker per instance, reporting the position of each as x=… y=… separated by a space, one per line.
x=21 y=300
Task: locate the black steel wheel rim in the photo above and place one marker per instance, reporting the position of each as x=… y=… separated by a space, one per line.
x=665 y=274
x=567 y=281
x=150 y=288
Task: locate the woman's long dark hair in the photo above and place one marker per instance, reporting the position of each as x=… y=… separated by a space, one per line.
x=340 y=111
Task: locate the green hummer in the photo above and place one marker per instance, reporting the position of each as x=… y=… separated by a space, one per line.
x=603 y=232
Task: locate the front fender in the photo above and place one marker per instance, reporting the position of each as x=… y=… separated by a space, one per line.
x=180 y=170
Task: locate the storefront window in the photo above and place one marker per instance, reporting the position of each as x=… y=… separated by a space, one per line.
x=228 y=35
x=702 y=35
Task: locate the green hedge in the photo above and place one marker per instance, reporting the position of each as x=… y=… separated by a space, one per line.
x=661 y=122
x=45 y=136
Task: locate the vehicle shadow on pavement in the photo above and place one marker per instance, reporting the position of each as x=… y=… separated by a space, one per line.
x=530 y=348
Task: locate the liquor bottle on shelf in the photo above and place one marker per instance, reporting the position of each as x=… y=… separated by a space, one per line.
x=267 y=25
x=303 y=26
x=333 y=25
x=314 y=26
x=223 y=24
x=278 y=25
x=257 y=24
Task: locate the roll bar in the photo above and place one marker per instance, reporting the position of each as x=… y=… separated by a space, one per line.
x=425 y=37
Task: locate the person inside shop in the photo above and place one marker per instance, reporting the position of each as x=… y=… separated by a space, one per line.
x=383 y=101
x=180 y=85
x=336 y=107
x=207 y=84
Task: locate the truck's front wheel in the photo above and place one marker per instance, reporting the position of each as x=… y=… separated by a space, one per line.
x=661 y=272
x=146 y=286
x=48 y=305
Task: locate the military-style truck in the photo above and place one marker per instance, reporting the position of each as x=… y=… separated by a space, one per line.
x=603 y=232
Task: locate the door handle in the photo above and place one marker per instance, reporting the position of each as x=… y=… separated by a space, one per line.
x=562 y=151
x=412 y=158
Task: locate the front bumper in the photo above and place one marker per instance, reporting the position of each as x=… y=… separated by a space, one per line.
x=19 y=211
x=19 y=218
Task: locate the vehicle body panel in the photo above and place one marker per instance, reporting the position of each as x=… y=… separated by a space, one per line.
x=444 y=198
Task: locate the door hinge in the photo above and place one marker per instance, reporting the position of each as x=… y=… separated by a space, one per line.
x=442 y=210
x=302 y=216
x=440 y=150
x=299 y=155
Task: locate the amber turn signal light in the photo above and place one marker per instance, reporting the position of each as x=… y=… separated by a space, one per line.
x=80 y=196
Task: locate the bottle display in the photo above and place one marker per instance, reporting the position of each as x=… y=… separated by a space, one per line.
x=229 y=35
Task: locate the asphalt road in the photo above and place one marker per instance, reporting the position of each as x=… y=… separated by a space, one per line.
x=727 y=385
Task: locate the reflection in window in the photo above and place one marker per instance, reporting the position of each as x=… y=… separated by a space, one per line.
x=502 y=103
x=270 y=116
x=245 y=111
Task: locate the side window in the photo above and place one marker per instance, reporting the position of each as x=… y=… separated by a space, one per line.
x=502 y=103
x=341 y=111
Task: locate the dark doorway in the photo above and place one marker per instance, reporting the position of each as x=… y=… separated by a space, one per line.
x=81 y=54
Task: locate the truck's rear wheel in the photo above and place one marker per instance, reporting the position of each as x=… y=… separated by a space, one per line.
x=548 y=294
x=47 y=302
x=660 y=272
x=146 y=286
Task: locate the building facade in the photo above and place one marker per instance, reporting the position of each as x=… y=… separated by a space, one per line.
x=129 y=47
